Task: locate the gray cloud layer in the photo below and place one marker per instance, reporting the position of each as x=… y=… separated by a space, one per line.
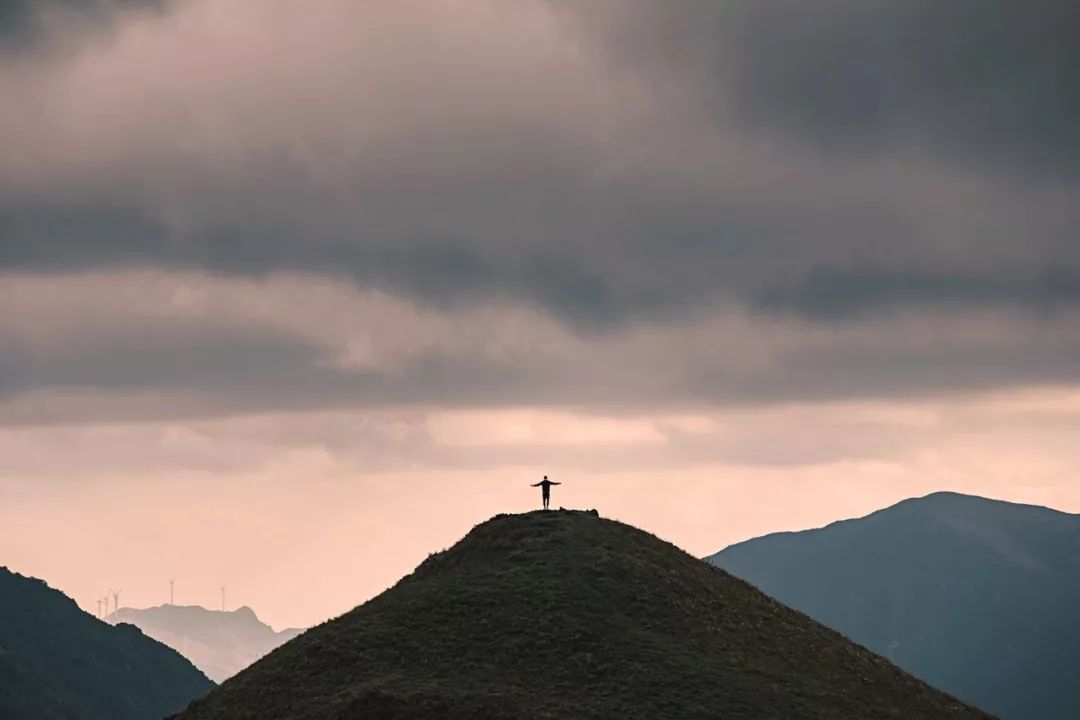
x=153 y=345
x=842 y=163
x=27 y=25
x=986 y=82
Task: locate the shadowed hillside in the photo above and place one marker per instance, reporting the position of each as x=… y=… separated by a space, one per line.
x=566 y=615
x=978 y=597
x=220 y=644
x=58 y=662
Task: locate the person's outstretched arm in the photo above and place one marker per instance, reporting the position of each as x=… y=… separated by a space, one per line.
x=538 y=484
x=555 y=483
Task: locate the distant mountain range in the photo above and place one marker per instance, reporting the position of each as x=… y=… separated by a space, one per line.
x=978 y=597
x=568 y=615
x=60 y=663
x=220 y=644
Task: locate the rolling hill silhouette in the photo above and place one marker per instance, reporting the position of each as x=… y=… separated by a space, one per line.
x=220 y=644
x=58 y=662
x=978 y=597
x=567 y=615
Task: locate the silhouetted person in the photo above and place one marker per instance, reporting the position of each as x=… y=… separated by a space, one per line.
x=545 y=490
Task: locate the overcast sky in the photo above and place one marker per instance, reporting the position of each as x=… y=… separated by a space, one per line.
x=294 y=293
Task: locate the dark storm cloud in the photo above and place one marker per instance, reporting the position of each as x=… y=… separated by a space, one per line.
x=835 y=292
x=43 y=234
x=615 y=165
x=503 y=190
x=26 y=24
x=986 y=82
x=213 y=371
x=169 y=359
x=104 y=347
x=903 y=369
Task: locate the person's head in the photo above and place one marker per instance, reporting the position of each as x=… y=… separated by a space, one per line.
x=545 y=477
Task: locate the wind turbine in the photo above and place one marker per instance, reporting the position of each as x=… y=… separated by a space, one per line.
x=116 y=598
x=110 y=592
x=99 y=608
x=172 y=591
x=222 y=598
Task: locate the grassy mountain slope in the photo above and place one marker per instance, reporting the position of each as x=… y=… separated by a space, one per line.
x=563 y=614
x=57 y=661
x=978 y=597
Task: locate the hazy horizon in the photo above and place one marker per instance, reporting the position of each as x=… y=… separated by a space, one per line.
x=294 y=294
x=308 y=586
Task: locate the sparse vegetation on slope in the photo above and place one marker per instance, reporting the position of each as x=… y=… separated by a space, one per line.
x=566 y=615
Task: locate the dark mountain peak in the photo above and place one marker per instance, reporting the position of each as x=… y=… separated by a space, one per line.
x=940 y=504
x=951 y=497
x=949 y=500
x=981 y=519
x=567 y=614
x=1016 y=532
x=57 y=661
x=977 y=596
x=24 y=588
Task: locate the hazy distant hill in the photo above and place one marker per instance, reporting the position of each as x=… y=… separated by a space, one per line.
x=978 y=597
x=58 y=662
x=566 y=615
x=220 y=644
